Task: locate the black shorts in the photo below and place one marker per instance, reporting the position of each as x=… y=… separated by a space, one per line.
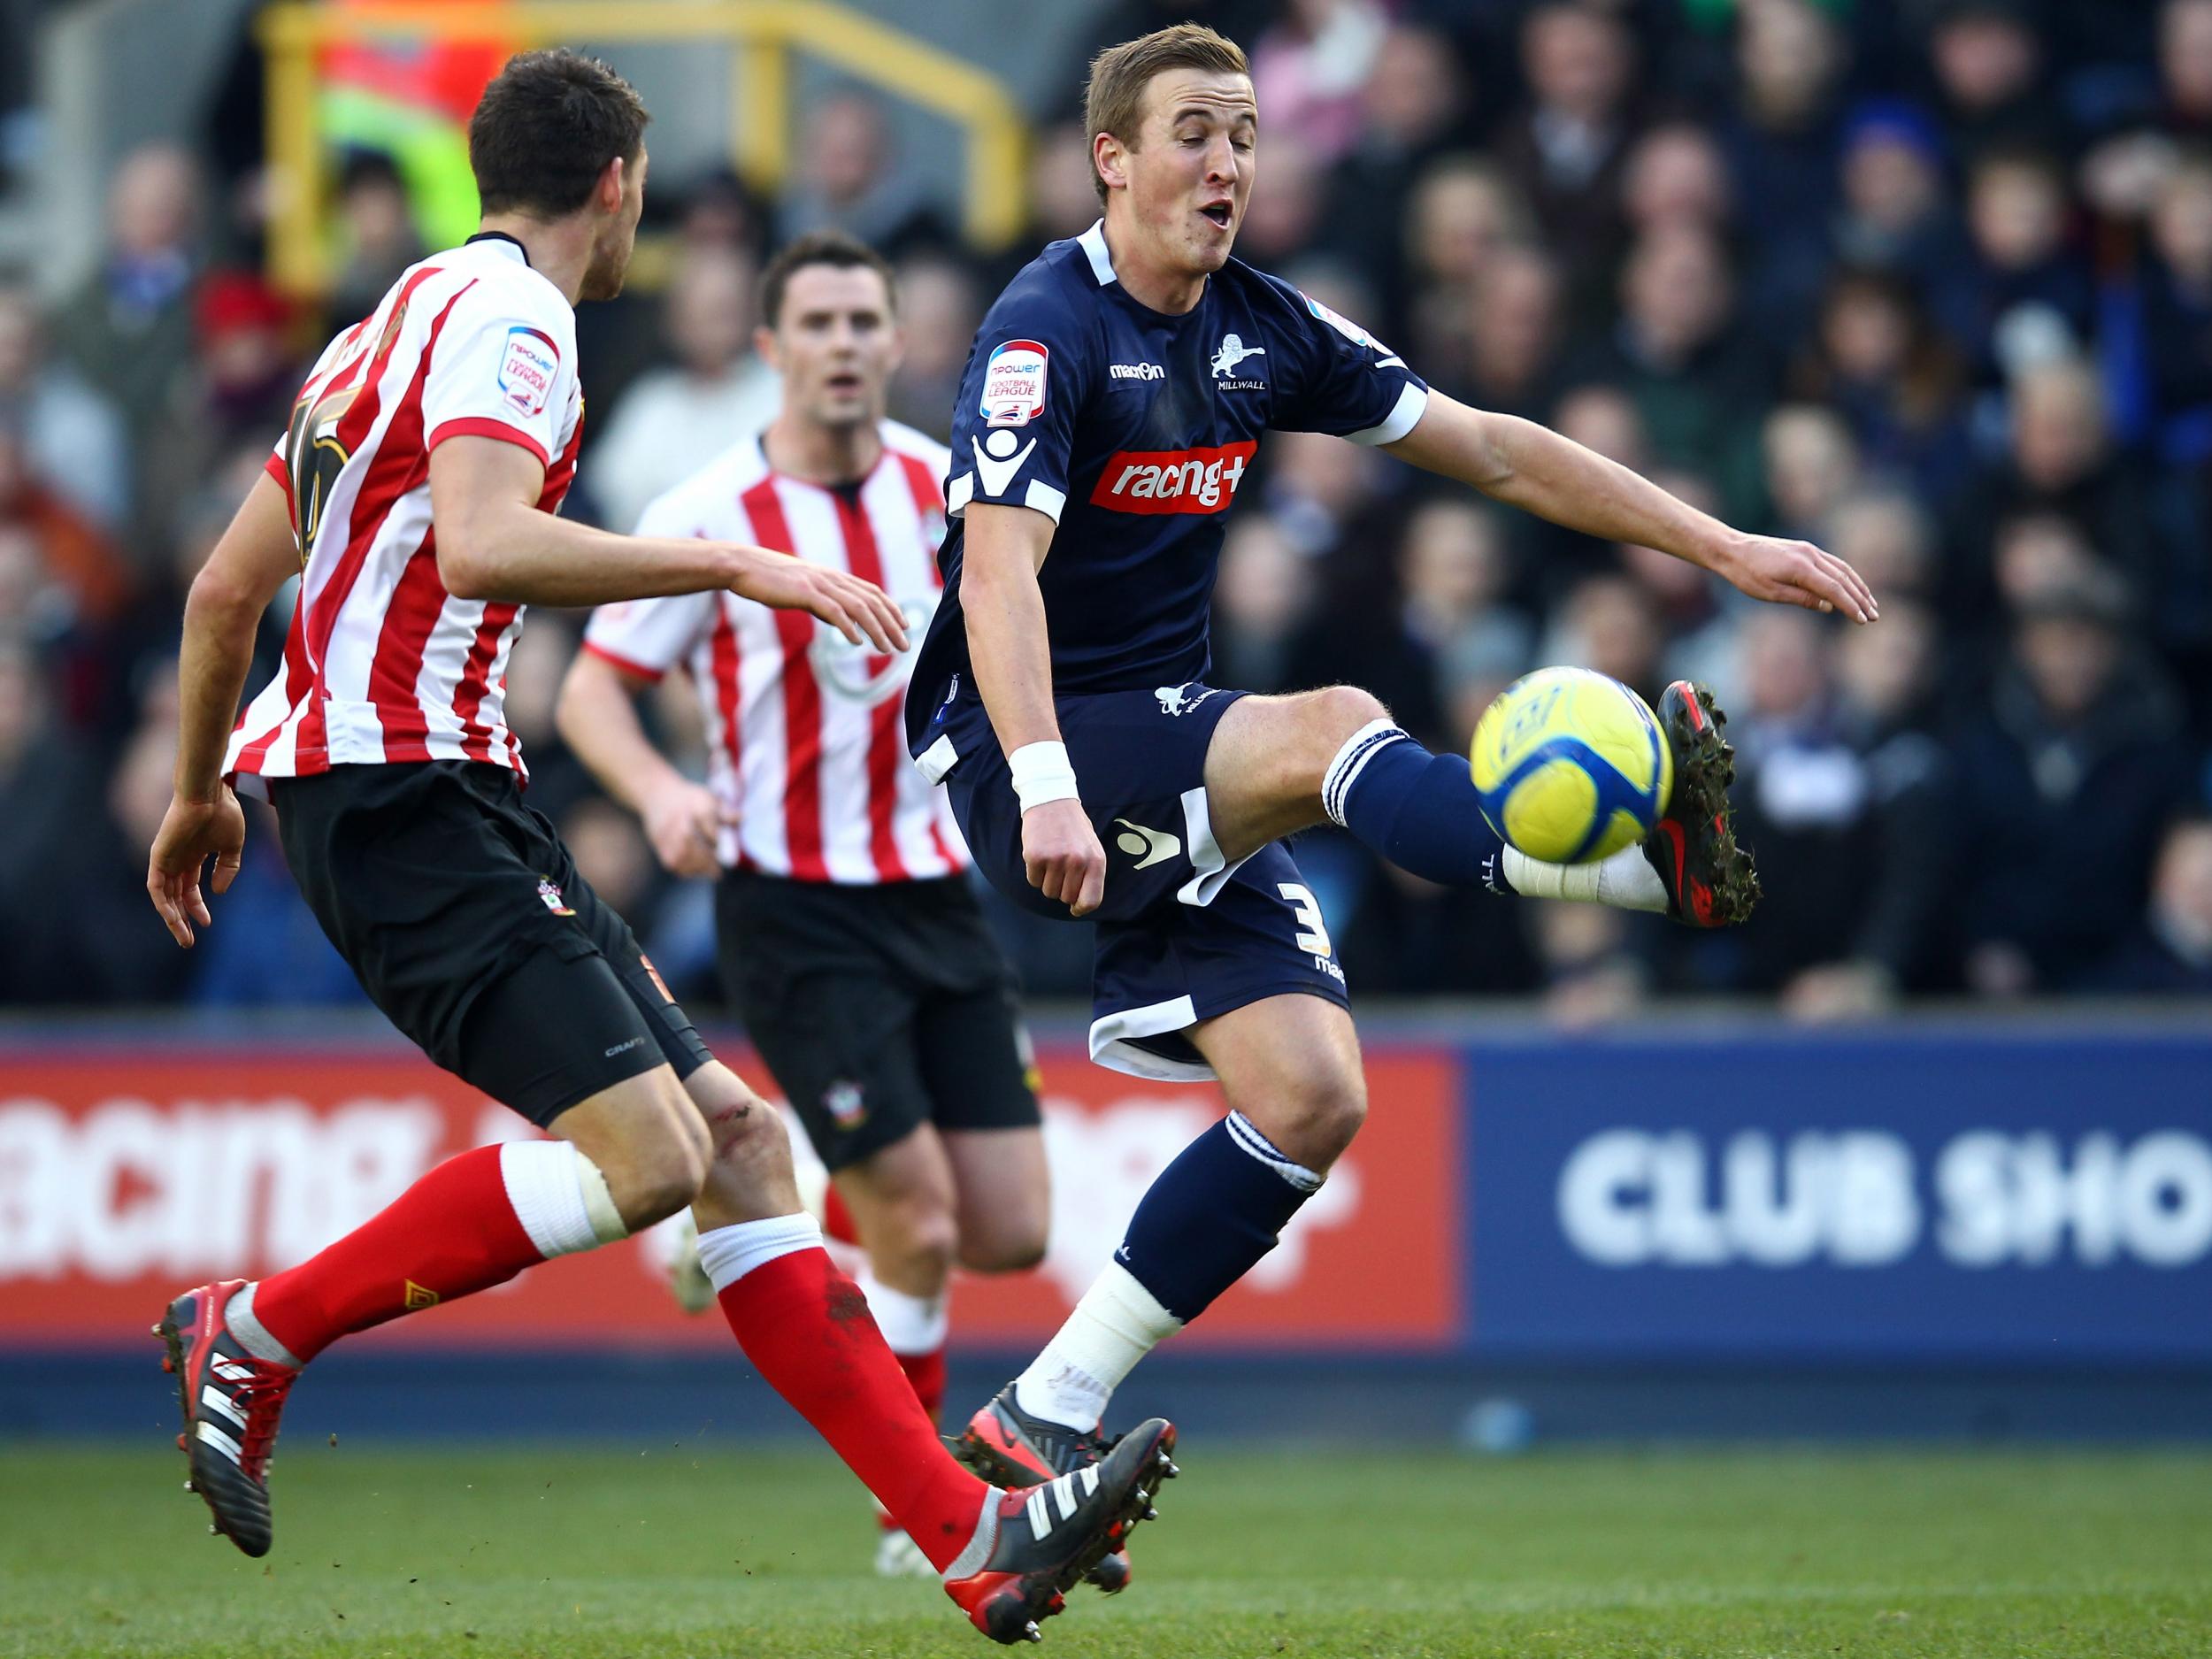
x=467 y=922
x=877 y=1008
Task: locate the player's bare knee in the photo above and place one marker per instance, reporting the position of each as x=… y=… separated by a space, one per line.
x=915 y=1241
x=1311 y=1119
x=1011 y=1246
x=1334 y=712
x=657 y=1179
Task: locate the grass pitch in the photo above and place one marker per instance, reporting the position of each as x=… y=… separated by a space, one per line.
x=484 y=1552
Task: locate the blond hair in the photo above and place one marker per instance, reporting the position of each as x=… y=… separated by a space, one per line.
x=1113 y=102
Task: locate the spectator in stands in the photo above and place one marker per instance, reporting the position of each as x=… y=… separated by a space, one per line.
x=1812 y=462
x=1456 y=572
x=128 y=329
x=1877 y=527
x=1282 y=220
x=1512 y=337
x=1990 y=83
x=673 y=421
x=1264 y=598
x=376 y=234
x=1781 y=138
x=1566 y=146
x=2173 y=300
x=1414 y=107
x=78 y=581
x=2170 y=950
x=2033 y=299
x=1677 y=175
x=938 y=310
x=1886 y=711
x=2066 y=774
x=1875 y=357
x=48 y=796
x=2061 y=460
x=1460 y=212
x=2185 y=67
x=1610 y=623
x=1700 y=382
x=72 y=438
x=850 y=181
x=1309 y=70
x=238 y=388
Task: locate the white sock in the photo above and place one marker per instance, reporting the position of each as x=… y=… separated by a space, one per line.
x=911 y=1324
x=1116 y=1325
x=559 y=1196
x=1626 y=880
x=730 y=1253
x=252 y=1335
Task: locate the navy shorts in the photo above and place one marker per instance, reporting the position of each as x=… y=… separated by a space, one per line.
x=1183 y=934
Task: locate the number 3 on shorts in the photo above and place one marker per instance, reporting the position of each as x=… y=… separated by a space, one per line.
x=1307 y=914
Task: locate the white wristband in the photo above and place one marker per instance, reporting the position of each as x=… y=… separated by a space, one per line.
x=1041 y=773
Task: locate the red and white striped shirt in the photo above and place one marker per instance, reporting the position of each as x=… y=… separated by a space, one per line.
x=808 y=732
x=381 y=664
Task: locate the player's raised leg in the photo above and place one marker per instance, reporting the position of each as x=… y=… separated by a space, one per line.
x=1280 y=765
x=1006 y=1558
x=630 y=1155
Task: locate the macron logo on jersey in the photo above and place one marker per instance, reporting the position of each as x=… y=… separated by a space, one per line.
x=526 y=368
x=1014 y=383
x=1135 y=372
x=1173 y=480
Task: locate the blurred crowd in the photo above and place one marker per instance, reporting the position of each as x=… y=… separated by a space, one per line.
x=1927 y=281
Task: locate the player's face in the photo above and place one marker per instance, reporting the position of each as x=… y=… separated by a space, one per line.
x=1190 y=174
x=610 y=249
x=835 y=344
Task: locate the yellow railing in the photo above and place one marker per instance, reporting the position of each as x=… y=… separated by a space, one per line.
x=762 y=33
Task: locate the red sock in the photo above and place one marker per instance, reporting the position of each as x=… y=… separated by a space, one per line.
x=453 y=1232
x=837 y=1221
x=807 y=1329
x=926 y=1373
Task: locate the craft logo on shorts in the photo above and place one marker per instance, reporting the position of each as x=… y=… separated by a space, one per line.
x=846 y=1104
x=1014 y=383
x=1173 y=481
x=526 y=366
x=554 y=901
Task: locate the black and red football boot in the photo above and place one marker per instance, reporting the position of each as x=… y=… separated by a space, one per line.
x=1031 y=1545
x=1708 y=876
x=232 y=1401
x=1009 y=1447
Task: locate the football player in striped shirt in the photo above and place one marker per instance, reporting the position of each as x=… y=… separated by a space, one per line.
x=414 y=495
x=852 y=943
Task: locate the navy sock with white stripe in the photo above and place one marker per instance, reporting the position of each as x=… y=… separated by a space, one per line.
x=1207 y=1218
x=1211 y=1215
x=1416 y=808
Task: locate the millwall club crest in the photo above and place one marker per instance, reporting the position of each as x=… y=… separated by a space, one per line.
x=846 y=1104
x=1234 y=351
x=1174 y=702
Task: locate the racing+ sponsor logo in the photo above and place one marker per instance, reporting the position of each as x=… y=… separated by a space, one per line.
x=1173 y=481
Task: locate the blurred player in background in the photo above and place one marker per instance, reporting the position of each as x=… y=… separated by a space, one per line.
x=850 y=943
x=1114 y=398
x=416 y=495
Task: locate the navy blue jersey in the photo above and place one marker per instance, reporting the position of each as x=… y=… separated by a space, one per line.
x=1133 y=431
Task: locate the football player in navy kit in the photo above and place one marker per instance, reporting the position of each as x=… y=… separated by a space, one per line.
x=1112 y=406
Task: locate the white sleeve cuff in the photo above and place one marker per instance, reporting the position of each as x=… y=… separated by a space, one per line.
x=1404 y=417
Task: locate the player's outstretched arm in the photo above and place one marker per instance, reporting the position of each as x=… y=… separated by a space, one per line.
x=1002 y=549
x=1530 y=466
x=597 y=718
x=255 y=557
x=494 y=543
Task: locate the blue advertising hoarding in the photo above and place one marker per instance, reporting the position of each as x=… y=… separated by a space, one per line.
x=1982 y=1194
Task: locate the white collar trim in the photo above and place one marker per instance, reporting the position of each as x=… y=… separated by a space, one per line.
x=1094 y=245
